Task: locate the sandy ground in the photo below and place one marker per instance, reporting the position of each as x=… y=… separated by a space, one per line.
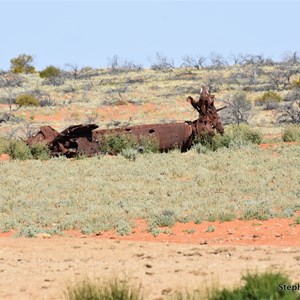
x=189 y=257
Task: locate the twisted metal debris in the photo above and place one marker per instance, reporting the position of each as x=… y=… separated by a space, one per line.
x=84 y=139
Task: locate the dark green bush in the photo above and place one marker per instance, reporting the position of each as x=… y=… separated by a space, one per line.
x=40 y=151
x=234 y=136
x=50 y=72
x=18 y=150
x=291 y=133
x=27 y=100
x=258 y=287
x=116 y=143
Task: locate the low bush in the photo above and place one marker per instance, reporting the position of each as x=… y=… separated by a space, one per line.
x=291 y=133
x=236 y=136
x=258 y=286
x=27 y=100
x=18 y=150
x=296 y=83
x=50 y=72
x=125 y=144
x=112 y=290
x=267 y=285
x=40 y=151
x=267 y=98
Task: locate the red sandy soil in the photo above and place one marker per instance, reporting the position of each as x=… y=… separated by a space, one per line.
x=185 y=257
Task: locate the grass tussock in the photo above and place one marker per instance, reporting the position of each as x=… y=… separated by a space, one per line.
x=291 y=133
x=256 y=286
x=112 y=290
x=245 y=183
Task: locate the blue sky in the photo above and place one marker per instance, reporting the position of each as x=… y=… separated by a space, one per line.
x=87 y=33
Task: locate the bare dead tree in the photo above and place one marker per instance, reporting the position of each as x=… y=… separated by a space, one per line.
x=196 y=62
x=238 y=109
x=162 y=63
x=281 y=76
x=290 y=113
x=74 y=69
x=291 y=57
x=217 y=61
x=237 y=59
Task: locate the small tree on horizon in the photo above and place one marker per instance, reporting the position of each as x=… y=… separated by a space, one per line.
x=22 y=64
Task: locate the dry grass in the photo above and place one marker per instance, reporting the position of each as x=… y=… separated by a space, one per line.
x=111 y=192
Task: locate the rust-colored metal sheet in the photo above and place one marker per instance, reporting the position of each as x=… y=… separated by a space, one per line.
x=86 y=140
x=169 y=136
x=46 y=135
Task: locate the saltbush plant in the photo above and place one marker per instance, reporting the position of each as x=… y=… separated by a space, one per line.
x=27 y=100
x=236 y=136
x=18 y=149
x=291 y=133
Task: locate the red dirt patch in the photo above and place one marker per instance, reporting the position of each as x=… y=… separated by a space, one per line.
x=276 y=232
x=274 y=145
x=272 y=232
x=4 y=157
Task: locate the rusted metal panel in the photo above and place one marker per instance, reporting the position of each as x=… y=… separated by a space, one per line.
x=46 y=135
x=85 y=139
x=169 y=136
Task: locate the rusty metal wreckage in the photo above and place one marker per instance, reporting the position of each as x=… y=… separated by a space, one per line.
x=84 y=139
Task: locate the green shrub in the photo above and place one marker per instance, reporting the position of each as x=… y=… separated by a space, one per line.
x=93 y=290
x=291 y=133
x=257 y=287
x=40 y=151
x=27 y=100
x=165 y=218
x=116 y=143
x=18 y=150
x=268 y=97
x=236 y=136
x=50 y=72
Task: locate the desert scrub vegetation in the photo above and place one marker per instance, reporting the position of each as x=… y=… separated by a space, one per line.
x=110 y=193
x=291 y=133
x=18 y=149
x=127 y=144
x=27 y=100
x=256 y=286
x=114 y=289
x=235 y=136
